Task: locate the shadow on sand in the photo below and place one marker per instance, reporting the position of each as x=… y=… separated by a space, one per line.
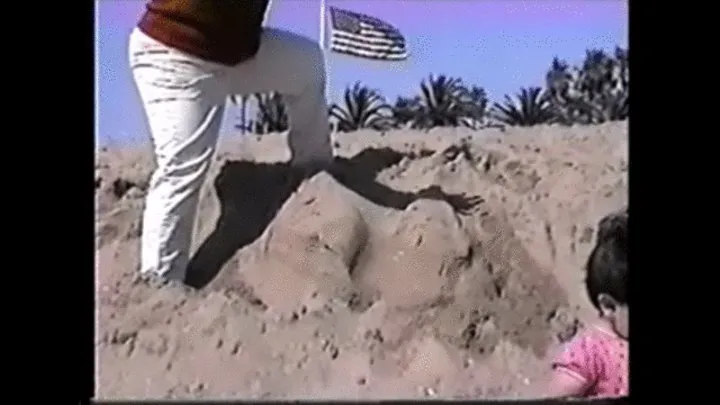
x=251 y=194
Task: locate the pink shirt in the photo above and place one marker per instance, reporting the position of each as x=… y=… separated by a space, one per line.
x=599 y=359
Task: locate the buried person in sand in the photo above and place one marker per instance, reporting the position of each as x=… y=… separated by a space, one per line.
x=187 y=57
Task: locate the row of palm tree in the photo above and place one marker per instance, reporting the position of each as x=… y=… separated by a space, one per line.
x=593 y=92
x=272 y=113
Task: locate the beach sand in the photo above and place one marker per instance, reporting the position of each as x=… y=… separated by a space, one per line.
x=352 y=285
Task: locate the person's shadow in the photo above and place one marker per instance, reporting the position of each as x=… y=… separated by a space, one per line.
x=251 y=194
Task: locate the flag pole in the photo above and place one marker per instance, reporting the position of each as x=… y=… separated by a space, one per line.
x=322 y=24
x=323 y=14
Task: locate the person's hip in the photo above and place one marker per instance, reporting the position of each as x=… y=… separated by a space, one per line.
x=229 y=46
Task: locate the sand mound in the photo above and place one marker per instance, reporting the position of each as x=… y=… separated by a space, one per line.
x=441 y=264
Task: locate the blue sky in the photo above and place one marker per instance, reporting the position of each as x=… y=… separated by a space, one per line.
x=501 y=45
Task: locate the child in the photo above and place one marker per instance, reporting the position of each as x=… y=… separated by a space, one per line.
x=595 y=363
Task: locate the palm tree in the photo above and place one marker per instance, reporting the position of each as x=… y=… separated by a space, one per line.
x=619 y=99
x=558 y=78
x=475 y=104
x=364 y=108
x=564 y=93
x=272 y=113
x=243 y=125
x=443 y=102
x=622 y=58
x=594 y=92
x=406 y=111
x=532 y=108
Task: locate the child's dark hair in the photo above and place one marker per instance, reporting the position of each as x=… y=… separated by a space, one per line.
x=607 y=266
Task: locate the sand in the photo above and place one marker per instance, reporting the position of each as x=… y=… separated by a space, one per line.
x=352 y=284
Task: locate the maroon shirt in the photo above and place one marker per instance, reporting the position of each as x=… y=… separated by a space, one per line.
x=222 y=31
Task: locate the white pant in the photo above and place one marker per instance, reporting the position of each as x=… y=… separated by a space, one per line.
x=184 y=98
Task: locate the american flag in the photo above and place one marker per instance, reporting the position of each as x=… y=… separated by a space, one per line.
x=366 y=37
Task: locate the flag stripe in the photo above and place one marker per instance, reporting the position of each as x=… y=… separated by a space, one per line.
x=369 y=55
x=364 y=36
x=369 y=52
x=372 y=31
x=378 y=49
x=350 y=41
x=394 y=51
x=369 y=38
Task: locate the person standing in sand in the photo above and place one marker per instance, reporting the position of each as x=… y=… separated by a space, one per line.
x=187 y=57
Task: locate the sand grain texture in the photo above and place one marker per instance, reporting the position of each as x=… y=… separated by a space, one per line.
x=351 y=284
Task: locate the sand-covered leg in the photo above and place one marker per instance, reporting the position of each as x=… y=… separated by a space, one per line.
x=184 y=103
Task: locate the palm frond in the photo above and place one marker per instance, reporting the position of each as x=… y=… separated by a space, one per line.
x=363 y=108
x=531 y=107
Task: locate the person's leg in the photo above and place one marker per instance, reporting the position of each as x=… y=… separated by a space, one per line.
x=184 y=101
x=293 y=66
